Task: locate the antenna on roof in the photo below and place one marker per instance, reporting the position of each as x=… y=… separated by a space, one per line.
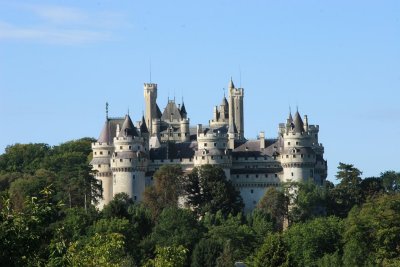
x=128 y=111
x=106 y=110
x=224 y=91
x=240 y=77
x=150 y=68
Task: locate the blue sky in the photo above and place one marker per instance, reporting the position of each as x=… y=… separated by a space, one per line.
x=338 y=61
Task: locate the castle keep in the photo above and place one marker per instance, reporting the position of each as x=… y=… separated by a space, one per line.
x=126 y=155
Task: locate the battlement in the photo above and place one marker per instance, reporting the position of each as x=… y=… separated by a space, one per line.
x=150 y=86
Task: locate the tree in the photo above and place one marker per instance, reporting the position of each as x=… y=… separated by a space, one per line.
x=372 y=231
x=206 y=253
x=24 y=234
x=309 y=241
x=118 y=207
x=173 y=256
x=275 y=203
x=273 y=252
x=348 y=192
x=98 y=250
x=208 y=191
x=166 y=189
x=371 y=187
x=176 y=227
x=308 y=201
x=391 y=181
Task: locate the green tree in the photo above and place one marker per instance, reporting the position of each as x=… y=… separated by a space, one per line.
x=172 y=256
x=98 y=250
x=371 y=187
x=206 y=253
x=309 y=241
x=24 y=234
x=166 y=189
x=348 y=192
x=372 y=231
x=275 y=203
x=176 y=227
x=391 y=181
x=24 y=158
x=118 y=207
x=273 y=252
x=308 y=201
x=208 y=191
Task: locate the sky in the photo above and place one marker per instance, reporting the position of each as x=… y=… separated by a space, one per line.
x=336 y=61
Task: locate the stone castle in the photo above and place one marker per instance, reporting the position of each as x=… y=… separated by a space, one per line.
x=126 y=156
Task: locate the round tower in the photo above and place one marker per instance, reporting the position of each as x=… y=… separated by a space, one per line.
x=213 y=149
x=102 y=151
x=298 y=157
x=185 y=133
x=129 y=162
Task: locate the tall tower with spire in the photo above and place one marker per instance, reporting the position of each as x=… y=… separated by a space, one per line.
x=150 y=97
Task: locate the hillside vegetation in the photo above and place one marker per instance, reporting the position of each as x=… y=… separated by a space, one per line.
x=47 y=217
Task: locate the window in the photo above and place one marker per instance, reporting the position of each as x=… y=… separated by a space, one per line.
x=252 y=191
x=205 y=144
x=101 y=152
x=287 y=156
x=215 y=144
x=294 y=156
x=203 y=157
x=288 y=143
x=130 y=147
x=95 y=153
x=297 y=143
x=109 y=153
x=120 y=160
x=276 y=175
x=247 y=176
x=256 y=175
x=133 y=177
x=120 y=147
x=135 y=197
x=311 y=173
x=302 y=156
x=99 y=166
x=292 y=173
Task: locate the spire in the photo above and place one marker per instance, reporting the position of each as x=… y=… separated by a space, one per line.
x=106 y=110
x=231 y=85
x=290 y=118
x=105 y=135
x=183 y=110
x=143 y=126
x=298 y=123
x=224 y=101
x=127 y=128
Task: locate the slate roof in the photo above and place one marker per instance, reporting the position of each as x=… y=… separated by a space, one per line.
x=174 y=151
x=298 y=125
x=105 y=135
x=183 y=111
x=128 y=129
x=251 y=148
x=143 y=126
x=171 y=112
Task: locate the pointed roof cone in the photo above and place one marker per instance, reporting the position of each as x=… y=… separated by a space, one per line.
x=105 y=135
x=143 y=126
x=298 y=123
x=183 y=110
x=159 y=114
x=224 y=102
x=231 y=85
x=127 y=128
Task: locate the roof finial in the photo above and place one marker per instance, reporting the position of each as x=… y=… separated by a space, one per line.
x=106 y=110
x=224 y=91
x=128 y=111
x=240 y=77
x=150 y=68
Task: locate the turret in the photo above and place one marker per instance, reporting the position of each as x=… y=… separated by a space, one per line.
x=102 y=151
x=236 y=111
x=129 y=162
x=185 y=133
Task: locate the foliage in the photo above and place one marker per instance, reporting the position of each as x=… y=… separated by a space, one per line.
x=273 y=252
x=391 y=181
x=166 y=189
x=372 y=233
x=208 y=191
x=274 y=203
x=206 y=252
x=307 y=242
x=173 y=256
x=118 y=207
x=98 y=250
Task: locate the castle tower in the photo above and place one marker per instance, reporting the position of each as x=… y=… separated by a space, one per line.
x=129 y=162
x=150 y=98
x=102 y=151
x=298 y=158
x=185 y=133
x=236 y=113
x=213 y=149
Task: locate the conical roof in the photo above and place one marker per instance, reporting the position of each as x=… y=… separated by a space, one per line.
x=105 y=135
x=183 y=110
x=231 y=85
x=143 y=126
x=128 y=129
x=298 y=123
x=224 y=102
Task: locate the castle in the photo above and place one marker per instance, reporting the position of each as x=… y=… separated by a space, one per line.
x=126 y=156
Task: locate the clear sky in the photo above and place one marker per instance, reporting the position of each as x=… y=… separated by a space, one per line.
x=338 y=61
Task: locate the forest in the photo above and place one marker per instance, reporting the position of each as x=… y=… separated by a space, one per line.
x=47 y=217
